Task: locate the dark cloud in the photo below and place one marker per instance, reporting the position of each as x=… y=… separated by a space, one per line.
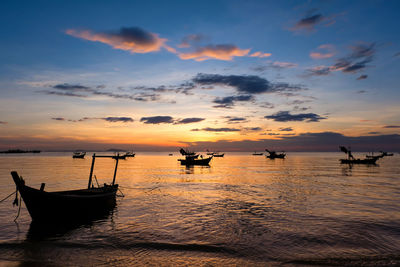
x=118 y=119
x=373 y=132
x=309 y=22
x=235 y=119
x=287 y=129
x=391 y=126
x=58 y=119
x=361 y=92
x=188 y=120
x=254 y=129
x=208 y=129
x=47 y=92
x=362 y=77
x=71 y=87
x=397 y=54
x=249 y=84
x=157 y=119
x=134 y=35
x=229 y=101
x=284 y=116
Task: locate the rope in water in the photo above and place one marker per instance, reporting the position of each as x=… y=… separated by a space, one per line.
x=8 y=196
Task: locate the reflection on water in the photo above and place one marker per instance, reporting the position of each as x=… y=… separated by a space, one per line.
x=242 y=210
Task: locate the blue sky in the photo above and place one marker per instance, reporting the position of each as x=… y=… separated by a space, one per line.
x=208 y=73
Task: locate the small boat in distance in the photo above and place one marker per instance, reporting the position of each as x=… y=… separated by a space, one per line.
x=191 y=158
x=118 y=156
x=351 y=160
x=69 y=205
x=129 y=154
x=275 y=155
x=16 y=151
x=257 y=153
x=218 y=155
x=79 y=155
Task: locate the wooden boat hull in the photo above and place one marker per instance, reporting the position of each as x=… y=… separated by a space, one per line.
x=66 y=205
x=203 y=162
x=359 y=161
x=78 y=156
x=280 y=156
x=218 y=155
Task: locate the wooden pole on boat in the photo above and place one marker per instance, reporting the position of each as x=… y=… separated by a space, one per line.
x=91 y=171
x=115 y=171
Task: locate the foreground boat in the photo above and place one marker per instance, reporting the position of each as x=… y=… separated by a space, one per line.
x=274 y=155
x=351 y=160
x=78 y=155
x=68 y=205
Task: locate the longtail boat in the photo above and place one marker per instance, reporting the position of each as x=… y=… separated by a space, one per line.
x=78 y=155
x=257 y=153
x=351 y=160
x=195 y=161
x=274 y=155
x=69 y=205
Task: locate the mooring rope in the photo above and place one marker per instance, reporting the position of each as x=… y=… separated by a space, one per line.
x=8 y=196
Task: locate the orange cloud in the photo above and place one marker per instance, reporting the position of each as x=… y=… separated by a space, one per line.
x=220 y=52
x=134 y=40
x=260 y=54
x=329 y=52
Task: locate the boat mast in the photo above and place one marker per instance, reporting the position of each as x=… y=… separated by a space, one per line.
x=115 y=171
x=91 y=170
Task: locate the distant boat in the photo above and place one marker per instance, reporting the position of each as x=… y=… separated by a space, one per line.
x=209 y=152
x=78 y=155
x=118 y=156
x=218 y=155
x=129 y=154
x=191 y=158
x=69 y=205
x=257 y=153
x=16 y=151
x=351 y=160
x=274 y=155
x=170 y=154
x=194 y=161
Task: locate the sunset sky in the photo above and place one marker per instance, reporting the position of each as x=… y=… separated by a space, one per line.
x=224 y=75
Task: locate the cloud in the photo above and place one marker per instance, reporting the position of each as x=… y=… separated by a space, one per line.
x=188 y=120
x=260 y=54
x=396 y=54
x=278 y=65
x=190 y=39
x=208 y=129
x=287 y=129
x=229 y=101
x=361 y=92
x=72 y=87
x=362 y=77
x=220 y=52
x=373 y=132
x=48 y=92
x=249 y=84
x=357 y=60
x=118 y=119
x=329 y=51
x=309 y=22
x=157 y=119
x=235 y=119
x=132 y=39
x=253 y=129
x=58 y=119
x=283 y=116
x=392 y=126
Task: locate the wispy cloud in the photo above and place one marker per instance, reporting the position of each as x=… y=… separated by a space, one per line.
x=208 y=129
x=287 y=129
x=108 y=119
x=188 y=120
x=260 y=54
x=229 y=101
x=356 y=61
x=58 y=119
x=231 y=119
x=132 y=39
x=324 y=51
x=391 y=126
x=191 y=39
x=220 y=52
x=362 y=77
x=284 y=116
x=312 y=19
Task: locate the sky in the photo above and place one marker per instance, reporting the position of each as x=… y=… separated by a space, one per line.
x=219 y=75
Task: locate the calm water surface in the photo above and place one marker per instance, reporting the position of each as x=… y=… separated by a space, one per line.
x=243 y=210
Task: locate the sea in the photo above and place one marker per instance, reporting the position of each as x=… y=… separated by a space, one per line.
x=242 y=210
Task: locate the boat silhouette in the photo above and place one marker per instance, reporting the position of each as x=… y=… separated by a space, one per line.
x=351 y=160
x=68 y=205
x=275 y=155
